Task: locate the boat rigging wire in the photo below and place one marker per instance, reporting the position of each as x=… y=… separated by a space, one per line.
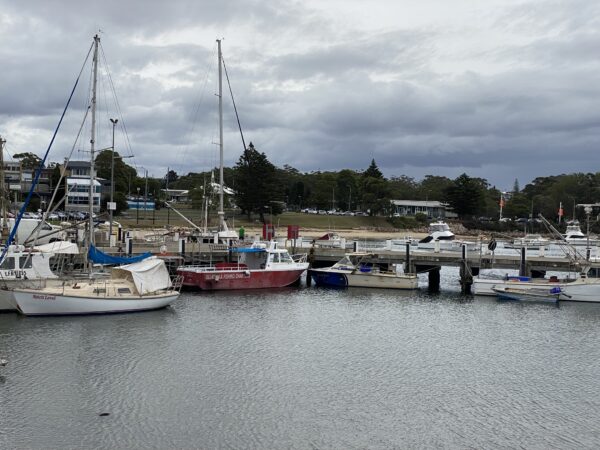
x=38 y=171
x=234 y=107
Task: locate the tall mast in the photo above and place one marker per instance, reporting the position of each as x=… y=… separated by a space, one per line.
x=93 y=140
x=4 y=232
x=221 y=181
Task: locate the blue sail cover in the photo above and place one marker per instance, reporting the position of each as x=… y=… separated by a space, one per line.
x=99 y=257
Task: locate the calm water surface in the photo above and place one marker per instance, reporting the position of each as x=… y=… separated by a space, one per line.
x=306 y=368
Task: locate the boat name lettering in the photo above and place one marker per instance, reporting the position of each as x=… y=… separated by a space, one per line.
x=14 y=273
x=226 y=276
x=44 y=297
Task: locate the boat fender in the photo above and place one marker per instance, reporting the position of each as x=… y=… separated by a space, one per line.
x=247 y=273
x=163 y=249
x=492 y=245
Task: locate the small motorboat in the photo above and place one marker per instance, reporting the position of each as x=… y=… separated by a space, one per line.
x=550 y=295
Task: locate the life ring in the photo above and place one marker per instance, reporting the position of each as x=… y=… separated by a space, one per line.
x=163 y=249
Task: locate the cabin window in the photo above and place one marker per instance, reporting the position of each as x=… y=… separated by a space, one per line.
x=285 y=257
x=25 y=262
x=8 y=263
x=124 y=291
x=275 y=257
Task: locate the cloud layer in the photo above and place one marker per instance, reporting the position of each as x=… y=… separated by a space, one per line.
x=504 y=92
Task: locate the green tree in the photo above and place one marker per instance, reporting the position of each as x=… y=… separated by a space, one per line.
x=256 y=184
x=433 y=187
x=29 y=160
x=466 y=195
x=373 y=171
x=123 y=172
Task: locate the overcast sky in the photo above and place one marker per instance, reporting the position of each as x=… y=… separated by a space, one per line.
x=499 y=89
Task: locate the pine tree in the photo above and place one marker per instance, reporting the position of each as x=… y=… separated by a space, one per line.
x=256 y=183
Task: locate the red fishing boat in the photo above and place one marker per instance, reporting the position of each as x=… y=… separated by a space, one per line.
x=260 y=266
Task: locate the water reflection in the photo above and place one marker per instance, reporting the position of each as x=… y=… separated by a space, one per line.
x=307 y=366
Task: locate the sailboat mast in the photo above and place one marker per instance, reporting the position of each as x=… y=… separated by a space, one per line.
x=4 y=232
x=221 y=181
x=93 y=141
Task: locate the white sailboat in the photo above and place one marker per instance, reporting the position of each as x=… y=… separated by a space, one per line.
x=140 y=286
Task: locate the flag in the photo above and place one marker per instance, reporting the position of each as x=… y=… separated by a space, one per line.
x=501 y=202
x=561 y=212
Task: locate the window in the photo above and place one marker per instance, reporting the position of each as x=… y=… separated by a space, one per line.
x=24 y=262
x=8 y=263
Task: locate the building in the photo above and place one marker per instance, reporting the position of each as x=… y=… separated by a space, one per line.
x=431 y=208
x=176 y=195
x=78 y=194
x=18 y=181
x=78 y=187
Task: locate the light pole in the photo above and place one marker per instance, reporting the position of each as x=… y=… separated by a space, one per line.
x=112 y=180
x=145 y=191
x=137 y=210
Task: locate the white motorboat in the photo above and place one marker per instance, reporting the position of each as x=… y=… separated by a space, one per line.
x=440 y=238
x=529 y=241
x=582 y=289
x=141 y=286
x=537 y=295
x=438 y=231
x=358 y=270
x=574 y=236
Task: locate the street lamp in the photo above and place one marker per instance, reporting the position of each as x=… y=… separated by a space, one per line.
x=137 y=210
x=145 y=190
x=111 y=207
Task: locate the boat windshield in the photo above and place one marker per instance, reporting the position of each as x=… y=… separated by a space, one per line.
x=345 y=262
x=439 y=227
x=285 y=257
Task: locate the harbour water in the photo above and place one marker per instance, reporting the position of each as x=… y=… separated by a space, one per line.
x=305 y=368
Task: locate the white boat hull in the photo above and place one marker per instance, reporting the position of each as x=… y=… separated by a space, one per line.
x=341 y=278
x=580 y=290
x=38 y=303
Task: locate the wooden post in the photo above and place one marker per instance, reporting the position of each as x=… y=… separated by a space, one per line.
x=128 y=246
x=523 y=264
x=434 y=280
x=408 y=266
x=466 y=277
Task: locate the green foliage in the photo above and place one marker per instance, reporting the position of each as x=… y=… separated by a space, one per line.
x=123 y=172
x=256 y=184
x=466 y=195
x=373 y=171
x=29 y=160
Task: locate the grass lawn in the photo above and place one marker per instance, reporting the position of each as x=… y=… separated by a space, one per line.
x=160 y=218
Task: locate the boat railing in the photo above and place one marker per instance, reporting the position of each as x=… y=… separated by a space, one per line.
x=176 y=284
x=300 y=257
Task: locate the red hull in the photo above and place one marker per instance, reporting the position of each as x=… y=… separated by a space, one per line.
x=239 y=279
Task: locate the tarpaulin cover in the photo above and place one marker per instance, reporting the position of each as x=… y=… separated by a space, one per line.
x=99 y=257
x=149 y=275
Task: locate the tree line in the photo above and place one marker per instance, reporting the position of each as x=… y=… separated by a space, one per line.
x=261 y=187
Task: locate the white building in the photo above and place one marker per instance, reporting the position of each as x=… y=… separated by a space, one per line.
x=431 y=208
x=78 y=194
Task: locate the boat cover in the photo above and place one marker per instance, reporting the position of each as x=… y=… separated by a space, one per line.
x=99 y=257
x=56 y=247
x=149 y=275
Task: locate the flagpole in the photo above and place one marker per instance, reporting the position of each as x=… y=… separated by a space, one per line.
x=560 y=213
x=501 y=205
